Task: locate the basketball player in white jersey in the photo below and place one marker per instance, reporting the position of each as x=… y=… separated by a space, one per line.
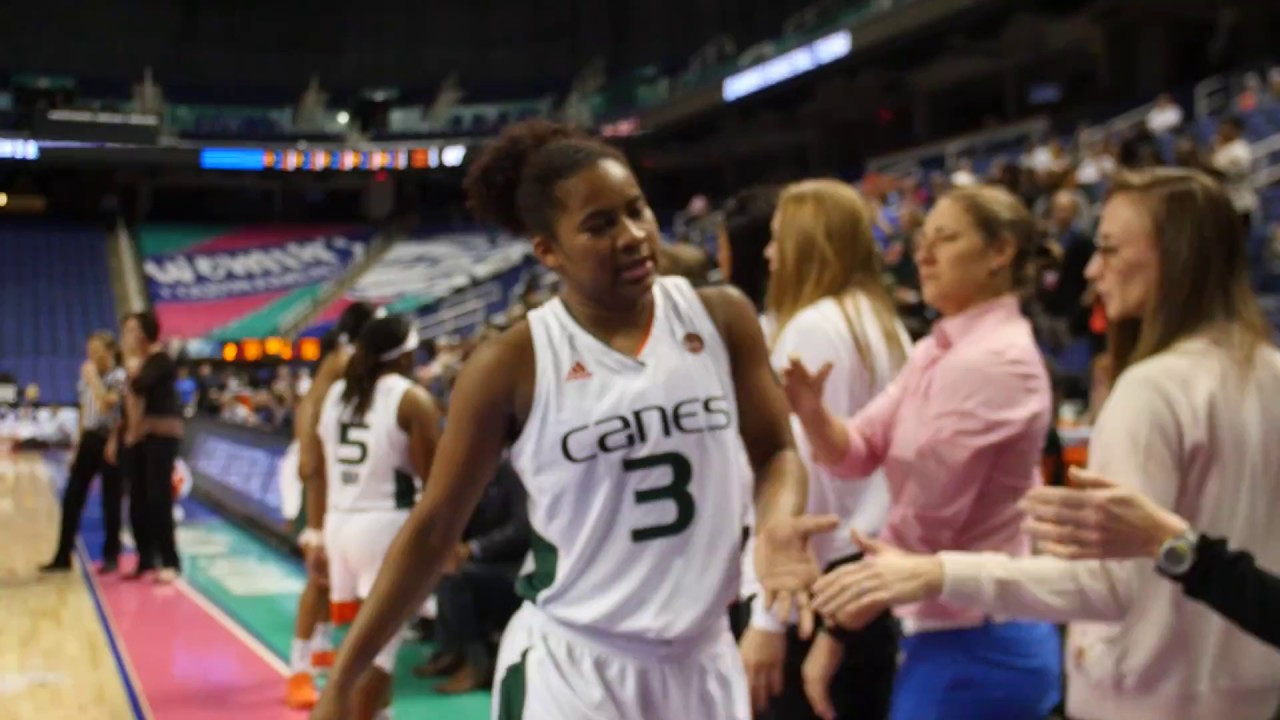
x=623 y=396
x=378 y=431
x=312 y=647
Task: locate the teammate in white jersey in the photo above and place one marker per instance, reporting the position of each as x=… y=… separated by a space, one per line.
x=312 y=647
x=622 y=397
x=378 y=431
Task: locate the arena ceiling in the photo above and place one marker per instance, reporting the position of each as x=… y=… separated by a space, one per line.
x=498 y=47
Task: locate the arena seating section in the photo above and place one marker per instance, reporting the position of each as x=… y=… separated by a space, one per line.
x=427 y=268
x=55 y=289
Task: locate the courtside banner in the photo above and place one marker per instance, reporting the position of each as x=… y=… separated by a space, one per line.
x=282 y=262
x=236 y=468
x=202 y=279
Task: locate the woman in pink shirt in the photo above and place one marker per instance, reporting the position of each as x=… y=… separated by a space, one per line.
x=1191 y=423
x=959 y=435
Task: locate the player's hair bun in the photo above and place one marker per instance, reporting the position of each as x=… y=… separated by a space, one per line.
x=493 y=181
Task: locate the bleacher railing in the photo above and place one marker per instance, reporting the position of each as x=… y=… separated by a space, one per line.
x=946 y=153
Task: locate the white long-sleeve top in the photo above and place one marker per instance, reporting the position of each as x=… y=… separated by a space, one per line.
x=1193 y=430
x=820 y=334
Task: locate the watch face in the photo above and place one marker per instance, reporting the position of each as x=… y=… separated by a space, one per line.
x=1176 y=556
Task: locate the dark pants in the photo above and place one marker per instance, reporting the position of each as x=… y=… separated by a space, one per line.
x=89 y=461
x=151 y=502
x=863 y=684
x=131 y=470
x=474 y=604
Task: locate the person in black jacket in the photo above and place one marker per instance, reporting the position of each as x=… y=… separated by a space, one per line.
x=1096 y=519
x=161 y=428
x=478 y=597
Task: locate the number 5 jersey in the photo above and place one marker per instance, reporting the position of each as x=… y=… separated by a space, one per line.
x=366 y=459
x=633 y=473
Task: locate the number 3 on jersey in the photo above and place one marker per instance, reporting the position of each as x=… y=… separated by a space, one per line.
x=353 y=448
x=676 y=491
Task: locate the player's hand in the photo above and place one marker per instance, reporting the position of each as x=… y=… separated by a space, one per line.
x=786 y=567
x=764 y=653
x=803 y=389
x=855 y=594
x=1094 y=518
x=820 y=665
x=317 y=562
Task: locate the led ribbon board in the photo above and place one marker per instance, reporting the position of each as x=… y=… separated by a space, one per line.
x=793 y=63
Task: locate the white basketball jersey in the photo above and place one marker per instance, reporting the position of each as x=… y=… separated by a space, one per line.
x=633 y=472
x=367 y=464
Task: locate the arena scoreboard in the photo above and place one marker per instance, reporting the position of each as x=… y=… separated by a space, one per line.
x=304 y=159
x=292 y=157
x=251 y=350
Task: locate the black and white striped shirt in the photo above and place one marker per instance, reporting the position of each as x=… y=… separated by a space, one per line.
x=94 y=417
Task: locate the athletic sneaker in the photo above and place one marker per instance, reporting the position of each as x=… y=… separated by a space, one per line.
x=300 y=692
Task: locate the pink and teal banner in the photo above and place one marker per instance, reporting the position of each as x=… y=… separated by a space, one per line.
x=233 y=283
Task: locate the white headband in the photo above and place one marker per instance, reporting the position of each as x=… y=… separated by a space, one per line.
x=410 y=344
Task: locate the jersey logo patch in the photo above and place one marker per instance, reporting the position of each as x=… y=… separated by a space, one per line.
x=693 y=342
x=578 y=372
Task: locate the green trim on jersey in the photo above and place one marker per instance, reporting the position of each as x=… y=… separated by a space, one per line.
x=511 y=692
x=545 y=558
x=406 y=490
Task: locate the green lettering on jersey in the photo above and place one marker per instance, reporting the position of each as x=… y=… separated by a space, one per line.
x=677 y=491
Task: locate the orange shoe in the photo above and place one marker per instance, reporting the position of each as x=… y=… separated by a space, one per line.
x=300 y=693
x=323 y=659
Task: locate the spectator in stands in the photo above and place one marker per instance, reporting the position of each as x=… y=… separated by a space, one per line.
x=1096 y=167
x=1187 y=154
x=209 y=395
x=742 y=238
x=1071 y=244
x=477 y=597
x=1165 y=116
x=963 y=175
x=959 y=434
x=188 y=390
x=1249 y=97
x=1233 y=160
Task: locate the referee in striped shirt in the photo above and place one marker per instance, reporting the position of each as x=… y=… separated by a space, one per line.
x=101 y=387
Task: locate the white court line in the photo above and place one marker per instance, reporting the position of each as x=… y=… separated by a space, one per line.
x=234 y=628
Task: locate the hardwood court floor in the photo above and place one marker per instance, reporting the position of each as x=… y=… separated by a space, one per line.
x=55 y=659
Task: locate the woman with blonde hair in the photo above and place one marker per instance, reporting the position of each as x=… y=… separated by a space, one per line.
x=828 y=303
x=1189 y=423
x=958 y=434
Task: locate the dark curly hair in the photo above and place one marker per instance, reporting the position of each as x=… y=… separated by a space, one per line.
x=513 y=182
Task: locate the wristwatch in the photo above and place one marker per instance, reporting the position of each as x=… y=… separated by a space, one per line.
x=1177 y=554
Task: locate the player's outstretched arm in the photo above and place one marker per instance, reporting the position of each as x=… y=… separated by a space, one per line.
x=784 y=564
x=466 y=457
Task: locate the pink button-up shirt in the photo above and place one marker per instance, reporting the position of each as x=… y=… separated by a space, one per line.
x=960 y=434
